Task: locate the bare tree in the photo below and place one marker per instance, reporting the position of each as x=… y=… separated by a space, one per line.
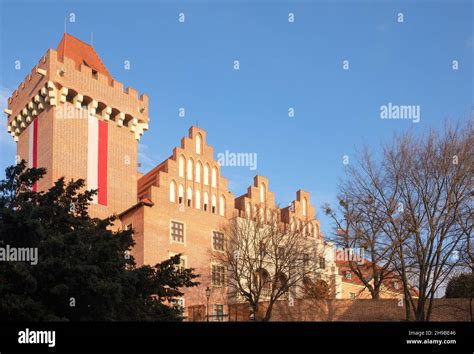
x=267 y=261
x=359 y=222
x=413 y=211
x=436 y=185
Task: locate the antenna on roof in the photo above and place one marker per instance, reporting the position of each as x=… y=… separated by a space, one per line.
x=65 y=31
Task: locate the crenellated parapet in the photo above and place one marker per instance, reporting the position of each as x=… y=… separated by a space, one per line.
x=57 y=79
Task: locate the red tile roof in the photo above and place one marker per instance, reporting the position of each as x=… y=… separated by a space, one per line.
x=81 y=53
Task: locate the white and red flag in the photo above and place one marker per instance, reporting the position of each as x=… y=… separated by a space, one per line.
x=97 y=157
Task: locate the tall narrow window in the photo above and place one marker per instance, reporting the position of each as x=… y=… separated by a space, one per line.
x=189 y=197
x=198 y=199
x=173 y=192
x=180 y=194
x=181 y=166
x=304 y=206
x=198 y=144
x=190 y=170
x=214 y=178
x=206 y=201
x=198 y=172
x=214 y=204
x=222 y=206
x=206 y=174
x=262 y=193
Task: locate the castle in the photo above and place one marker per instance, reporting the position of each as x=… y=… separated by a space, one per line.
x=70 y=116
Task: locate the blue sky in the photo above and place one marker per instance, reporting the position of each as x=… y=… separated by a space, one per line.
x=282 y=65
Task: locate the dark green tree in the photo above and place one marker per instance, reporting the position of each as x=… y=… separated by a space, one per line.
x=84 y=270
x=462 y=286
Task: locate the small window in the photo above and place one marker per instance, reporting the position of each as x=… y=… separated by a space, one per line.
x=177 y=231
x=179 y=303
x=219 y=313
x=352 y=296
x=218 y=241
x=182 y=262
x=218 y=275
x=322 y=263
x=348 y=275
x=281 y=253
x=395 y=285
x=305 y=259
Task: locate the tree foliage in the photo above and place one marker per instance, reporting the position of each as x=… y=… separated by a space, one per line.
x=84 y=270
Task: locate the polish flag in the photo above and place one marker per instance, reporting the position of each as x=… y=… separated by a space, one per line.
x=33 y=147
x=97 y=156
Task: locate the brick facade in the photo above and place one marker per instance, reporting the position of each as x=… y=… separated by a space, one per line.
x=177 y=207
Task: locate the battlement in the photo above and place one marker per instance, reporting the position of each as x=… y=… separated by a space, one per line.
x=58 y=79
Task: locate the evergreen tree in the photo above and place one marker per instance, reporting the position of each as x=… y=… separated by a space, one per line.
x=84 y=271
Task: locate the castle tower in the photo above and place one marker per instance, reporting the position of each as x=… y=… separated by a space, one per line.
x=70 y=116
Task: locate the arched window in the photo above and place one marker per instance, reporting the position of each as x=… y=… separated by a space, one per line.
x=198 y=172
x=181 y=166
x=198 y=199
x=180 y=194
x=190 y=169
x=316 y=231
x=262 y=193
x=310 y=229
x=214 y=178
x=222 y=205
x=206 y=174
x=206 y=201
x=189 y=196
x=305 y=203
x=214 y=203
x=173 y=192
x=198 y=144
x=254 y=215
